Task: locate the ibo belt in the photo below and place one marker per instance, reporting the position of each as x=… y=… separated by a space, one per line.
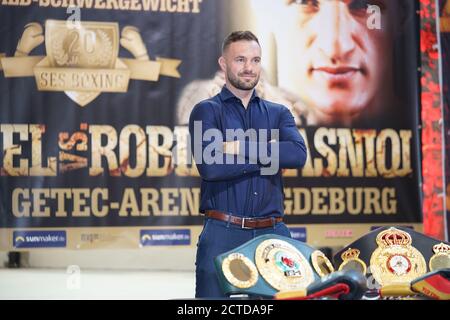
x=269 y=264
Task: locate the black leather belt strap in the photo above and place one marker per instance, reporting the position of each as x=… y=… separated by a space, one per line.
x=244 y=223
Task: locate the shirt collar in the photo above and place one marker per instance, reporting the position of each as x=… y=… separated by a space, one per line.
x=226 y=94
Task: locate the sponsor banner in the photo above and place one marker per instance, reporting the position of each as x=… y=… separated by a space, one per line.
x=316 y=235
x=298 y=233
x=39 y=239
x=166 y=237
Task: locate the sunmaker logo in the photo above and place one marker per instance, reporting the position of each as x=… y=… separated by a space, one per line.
x=298 y=234
x=166 y=237
x=39 y=239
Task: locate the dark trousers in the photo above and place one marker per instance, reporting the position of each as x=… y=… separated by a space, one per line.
x=216 y=238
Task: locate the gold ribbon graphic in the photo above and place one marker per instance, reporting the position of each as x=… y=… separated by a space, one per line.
x=83 y=61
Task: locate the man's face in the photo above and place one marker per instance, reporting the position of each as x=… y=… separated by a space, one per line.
x=339 y=61
x=241 y=63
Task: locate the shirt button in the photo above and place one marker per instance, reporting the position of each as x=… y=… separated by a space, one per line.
x=245 y=171
x=255 y=193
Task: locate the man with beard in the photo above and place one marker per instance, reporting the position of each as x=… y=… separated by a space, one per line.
x=239 y=198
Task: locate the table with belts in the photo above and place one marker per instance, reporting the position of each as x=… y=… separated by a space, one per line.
x=387 y=263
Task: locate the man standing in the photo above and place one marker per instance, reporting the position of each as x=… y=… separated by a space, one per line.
x=241 y=198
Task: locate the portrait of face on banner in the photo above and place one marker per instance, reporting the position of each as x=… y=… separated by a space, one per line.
x=93 y=119
x=333 y=63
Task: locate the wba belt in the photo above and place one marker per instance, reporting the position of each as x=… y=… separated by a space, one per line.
x=269 y=264
x=396 y=258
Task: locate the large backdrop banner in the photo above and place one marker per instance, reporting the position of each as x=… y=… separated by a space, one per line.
x=96 y=96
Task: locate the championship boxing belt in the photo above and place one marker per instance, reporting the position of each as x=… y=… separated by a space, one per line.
x=435 y=284
x=392 y=258
x=268 y=264
x=342 y=285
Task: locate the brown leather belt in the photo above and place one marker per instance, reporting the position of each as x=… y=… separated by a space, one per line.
x=244 y=223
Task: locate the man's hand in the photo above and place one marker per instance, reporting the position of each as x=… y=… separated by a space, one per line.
x=231 y=147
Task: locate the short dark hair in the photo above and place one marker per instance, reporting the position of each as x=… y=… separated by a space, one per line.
x=238 y=36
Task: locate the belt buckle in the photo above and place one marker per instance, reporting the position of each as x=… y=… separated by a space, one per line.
x=243 y=223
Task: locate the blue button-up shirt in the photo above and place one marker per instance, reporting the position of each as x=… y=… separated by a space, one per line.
x=240 y=188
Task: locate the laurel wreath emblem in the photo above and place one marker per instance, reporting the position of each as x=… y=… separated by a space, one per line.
x=66 y=50
x=103 y=58
x=60 y=56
